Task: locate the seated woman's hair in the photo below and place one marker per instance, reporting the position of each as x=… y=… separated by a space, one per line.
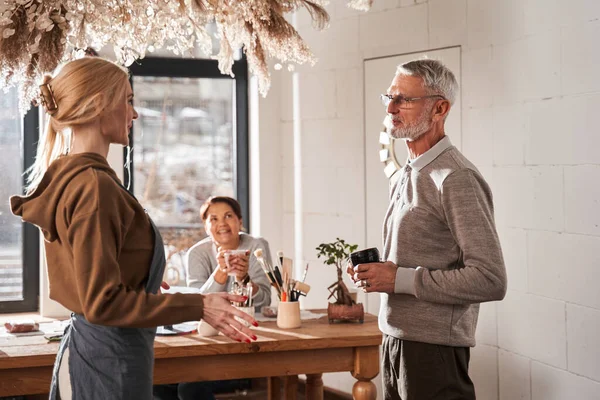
x=79 y=92
x=233 y=203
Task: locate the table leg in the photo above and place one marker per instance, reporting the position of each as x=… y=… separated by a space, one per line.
x=314 y=386
x=366 y=367
x=273 y=388
x=291 y=387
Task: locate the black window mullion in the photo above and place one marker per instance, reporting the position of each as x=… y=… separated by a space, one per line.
x=242 y=146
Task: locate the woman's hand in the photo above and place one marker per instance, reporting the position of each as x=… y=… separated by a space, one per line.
x=220 y=273
x=238 y=266
x=219 y=313
x=221 y=259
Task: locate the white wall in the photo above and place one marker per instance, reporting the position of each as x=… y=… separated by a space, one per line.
x=530 y=95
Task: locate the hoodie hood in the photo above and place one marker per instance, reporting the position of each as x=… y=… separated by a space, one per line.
x=39 y=207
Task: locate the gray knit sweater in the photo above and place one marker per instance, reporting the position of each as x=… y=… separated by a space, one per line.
x=439 y=229
x=202 y=263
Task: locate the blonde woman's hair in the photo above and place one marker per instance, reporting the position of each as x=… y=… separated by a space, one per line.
x=82 y=90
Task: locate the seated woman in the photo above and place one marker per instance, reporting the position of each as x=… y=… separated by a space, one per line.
x=207 y=267
x=207 y=270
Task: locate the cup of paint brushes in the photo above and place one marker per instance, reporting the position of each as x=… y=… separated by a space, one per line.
x=288 y=315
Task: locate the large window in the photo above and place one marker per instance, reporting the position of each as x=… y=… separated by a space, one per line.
x=19 y=257
x=189 y=142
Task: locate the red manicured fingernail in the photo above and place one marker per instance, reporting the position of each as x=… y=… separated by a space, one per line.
x=245 y=298
x=255 y=323
x=248 y=341
x=254 y=337
x=239 y=340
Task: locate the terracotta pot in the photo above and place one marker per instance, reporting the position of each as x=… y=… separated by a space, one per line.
x=344 y=313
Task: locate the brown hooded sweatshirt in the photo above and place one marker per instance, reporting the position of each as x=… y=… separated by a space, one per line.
x=99 y=243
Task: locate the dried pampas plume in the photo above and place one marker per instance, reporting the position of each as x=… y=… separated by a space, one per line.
x=38 y=35
x=361 y=5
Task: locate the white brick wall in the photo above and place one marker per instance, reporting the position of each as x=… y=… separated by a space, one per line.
x=515 y=376
x=533 y=326
x=514 y=248
x=477 y=138
x=579 y=62
x=477 y=90
x=530 y=95
x=447 y=23
x=484 y=372
x=583 y=341
x=580 y=198
x=549 y=383
x=510 y=127
x=564 y=266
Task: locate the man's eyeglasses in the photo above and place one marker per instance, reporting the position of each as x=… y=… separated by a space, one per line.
x=405 y=102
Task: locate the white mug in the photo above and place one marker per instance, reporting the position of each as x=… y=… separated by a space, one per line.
x=230 y=253
x=204 y=329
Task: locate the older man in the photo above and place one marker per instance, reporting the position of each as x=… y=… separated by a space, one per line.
x=441 y=251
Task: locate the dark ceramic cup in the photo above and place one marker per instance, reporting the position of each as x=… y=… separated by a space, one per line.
x=365 y=256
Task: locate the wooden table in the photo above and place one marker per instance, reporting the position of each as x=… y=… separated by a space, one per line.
x=315 y=348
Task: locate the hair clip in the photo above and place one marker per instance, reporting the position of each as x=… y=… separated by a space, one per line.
x=47 y=99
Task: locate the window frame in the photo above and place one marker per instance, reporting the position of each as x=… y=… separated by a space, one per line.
x=30 y=246
x=204 y=68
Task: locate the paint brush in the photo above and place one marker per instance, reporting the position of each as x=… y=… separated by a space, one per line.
x=249 y=301
x=276 y=270
x=287 y=266
x=301 y=288
x=258 y=253
x=305 y=272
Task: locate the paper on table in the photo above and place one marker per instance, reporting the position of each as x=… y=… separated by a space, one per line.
x=46 y=328
x=177 y=329
x=181 y=289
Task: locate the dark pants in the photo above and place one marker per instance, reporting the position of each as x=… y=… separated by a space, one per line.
x=198 y=390
x=422 y=371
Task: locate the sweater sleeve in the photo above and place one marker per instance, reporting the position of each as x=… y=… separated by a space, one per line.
x=96 y=233
x=199 y=273
x=467 y=204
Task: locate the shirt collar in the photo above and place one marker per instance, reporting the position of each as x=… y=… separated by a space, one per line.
x=426 y=158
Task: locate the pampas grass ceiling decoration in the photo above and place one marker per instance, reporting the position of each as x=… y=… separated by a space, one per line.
x=38 y=35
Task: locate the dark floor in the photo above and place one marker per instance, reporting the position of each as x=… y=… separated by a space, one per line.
x=252 y=395
x=258 y=391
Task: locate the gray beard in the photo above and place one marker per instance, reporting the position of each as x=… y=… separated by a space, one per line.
x=409 y=133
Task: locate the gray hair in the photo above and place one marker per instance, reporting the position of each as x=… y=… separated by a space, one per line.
x=437 y=78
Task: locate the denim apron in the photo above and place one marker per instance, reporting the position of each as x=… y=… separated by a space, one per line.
x=108 y=362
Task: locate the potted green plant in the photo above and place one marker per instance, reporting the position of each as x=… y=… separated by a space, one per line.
x=345 y=307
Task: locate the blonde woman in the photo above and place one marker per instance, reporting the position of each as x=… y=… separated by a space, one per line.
x=105 y=256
